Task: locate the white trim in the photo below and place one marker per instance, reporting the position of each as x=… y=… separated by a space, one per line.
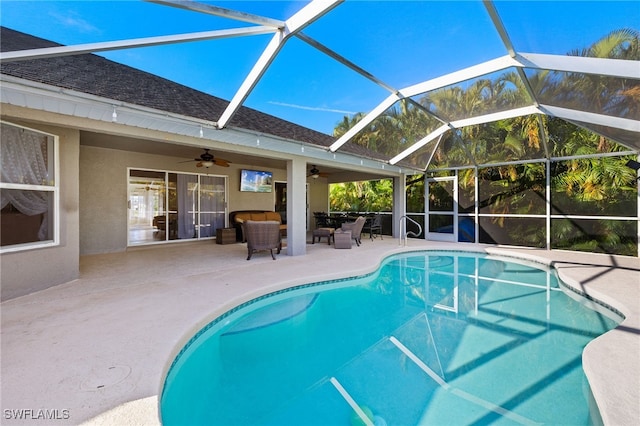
x=55 y=189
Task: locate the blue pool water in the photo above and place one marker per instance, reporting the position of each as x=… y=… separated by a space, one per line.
x=445 y=338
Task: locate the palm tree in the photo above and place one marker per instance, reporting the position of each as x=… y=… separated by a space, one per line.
x=363 y=196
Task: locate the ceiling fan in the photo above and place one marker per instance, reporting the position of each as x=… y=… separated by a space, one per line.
x=315 y=173
x=207 y=160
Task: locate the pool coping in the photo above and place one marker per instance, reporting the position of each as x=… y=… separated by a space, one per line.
x=611 y=402
x=53 y=340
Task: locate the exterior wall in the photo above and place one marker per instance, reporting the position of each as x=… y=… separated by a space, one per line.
x=103 y=199
x=28 y=271
x=103 y=193
x=250 y=200
x=318 y=198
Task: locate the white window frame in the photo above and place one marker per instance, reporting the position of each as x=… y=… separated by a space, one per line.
x=55 y=189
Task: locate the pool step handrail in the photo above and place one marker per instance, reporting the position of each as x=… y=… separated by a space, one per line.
x=404 y=234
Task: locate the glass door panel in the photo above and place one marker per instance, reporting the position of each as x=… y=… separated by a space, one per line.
x=212 y=205
x=147 y=214
x=187 y=210
x=172 y=202
x=441 y=214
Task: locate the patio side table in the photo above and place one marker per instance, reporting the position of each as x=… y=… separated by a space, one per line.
x=225 y=236
x=342 y=239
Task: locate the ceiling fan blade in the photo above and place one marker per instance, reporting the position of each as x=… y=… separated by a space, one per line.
x=221 y=162
x=199 y=164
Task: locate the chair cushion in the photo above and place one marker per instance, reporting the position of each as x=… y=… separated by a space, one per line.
x=242 y=217
x=273 y=216
x=258 y=216
x=323 y=232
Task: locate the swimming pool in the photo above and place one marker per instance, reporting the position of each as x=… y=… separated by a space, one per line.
x=431 y=337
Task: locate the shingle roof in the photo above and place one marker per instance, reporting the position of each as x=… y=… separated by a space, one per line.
x=93 y=74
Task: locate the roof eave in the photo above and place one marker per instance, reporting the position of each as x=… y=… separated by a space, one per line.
x=42 y=97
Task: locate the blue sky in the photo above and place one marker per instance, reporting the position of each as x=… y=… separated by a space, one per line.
x=400 y=42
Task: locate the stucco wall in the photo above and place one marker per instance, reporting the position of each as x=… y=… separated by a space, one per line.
x=251 y=200
x=103 y=200
x=103 y=193
x=318 y=198
x=28 y=271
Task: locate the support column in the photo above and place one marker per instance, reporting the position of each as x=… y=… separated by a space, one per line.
x=399 y=203
x=296 y=207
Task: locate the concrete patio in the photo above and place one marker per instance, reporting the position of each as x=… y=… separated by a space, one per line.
x=95 y=350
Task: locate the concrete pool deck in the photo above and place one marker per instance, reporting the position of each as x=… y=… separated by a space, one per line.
x=95 y=350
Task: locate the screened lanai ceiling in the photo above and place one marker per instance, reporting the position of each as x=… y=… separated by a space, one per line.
x=402 y=79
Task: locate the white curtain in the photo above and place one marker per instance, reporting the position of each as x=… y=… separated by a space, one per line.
x=212 y=202
x=23 y=162
x=186 y=188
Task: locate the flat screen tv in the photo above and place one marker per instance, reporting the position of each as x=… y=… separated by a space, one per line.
x=255 y=181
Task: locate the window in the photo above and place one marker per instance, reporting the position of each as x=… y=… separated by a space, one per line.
x=29 y=189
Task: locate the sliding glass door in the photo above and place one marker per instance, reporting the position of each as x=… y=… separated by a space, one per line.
x=165 y=206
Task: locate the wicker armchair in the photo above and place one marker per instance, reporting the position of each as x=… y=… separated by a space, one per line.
x=262 y=235
x=355 y=228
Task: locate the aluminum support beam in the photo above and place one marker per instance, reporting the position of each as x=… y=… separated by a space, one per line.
x=306 y=16
x=593 y=118
x=344 y=61
x=422 y=142
x=365 y=121
x=221 y=12
x=599 y=66
x=49 y=52
x=502 y=31
x=462 y=123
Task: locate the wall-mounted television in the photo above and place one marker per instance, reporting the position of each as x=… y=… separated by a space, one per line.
x=255 y=181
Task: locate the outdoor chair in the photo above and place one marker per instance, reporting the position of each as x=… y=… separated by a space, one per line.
x=375 y=225
x=262 y=235
x=355 y=228
x=322 y=219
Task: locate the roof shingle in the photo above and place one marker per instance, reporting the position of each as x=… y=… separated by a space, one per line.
x=93 y=74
